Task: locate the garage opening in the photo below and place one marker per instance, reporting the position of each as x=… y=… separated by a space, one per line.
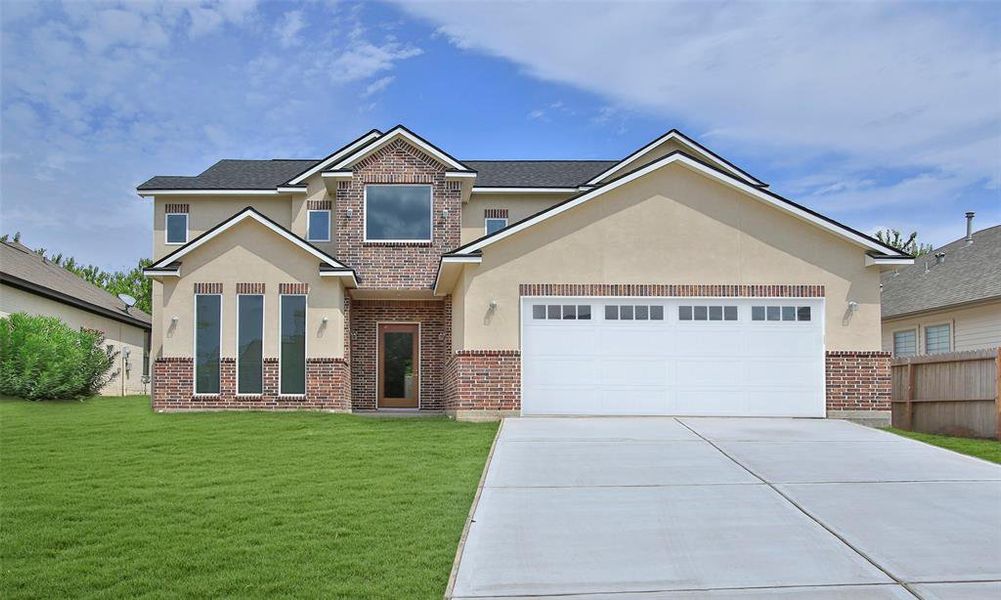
x=673 y=356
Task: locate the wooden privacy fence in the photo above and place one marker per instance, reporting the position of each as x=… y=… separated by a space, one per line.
x=954 y=393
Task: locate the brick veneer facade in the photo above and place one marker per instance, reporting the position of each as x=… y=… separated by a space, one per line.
x=858 y=381
x=435 y=318
x=397 y=265
x=486 y=380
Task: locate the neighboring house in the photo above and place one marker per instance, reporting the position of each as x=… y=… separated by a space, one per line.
x=949 y=300
x=390 y=275
x=34 y=285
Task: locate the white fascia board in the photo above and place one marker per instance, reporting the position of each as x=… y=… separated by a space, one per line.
x=335 y=157
x=695 y=165
x=291 y=190
x=238 y=218
x=685 y=141
x=460 y=174
x=888 y=260
x=452 y=260
x=337 y=174
x=162 y=272
x=523 y=190
x=389 y=137
x=346 y=273
x=147 y=193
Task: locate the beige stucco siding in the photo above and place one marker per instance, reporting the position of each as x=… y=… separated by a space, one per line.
x=671 y=226
x=973 y=328
x=249 y=253
x=316 y=190
x=519 y=206
x=121 y=336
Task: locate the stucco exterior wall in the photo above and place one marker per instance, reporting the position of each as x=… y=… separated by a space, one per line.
x=120 y=335
x=973 y=328
x=206 y=212
x=672 y=226
x=249 y=253
x=519 y=206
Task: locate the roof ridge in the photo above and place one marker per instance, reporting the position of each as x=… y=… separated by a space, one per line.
x=540 y=160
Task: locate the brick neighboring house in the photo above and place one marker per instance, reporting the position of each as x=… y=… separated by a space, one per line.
x=392 y=276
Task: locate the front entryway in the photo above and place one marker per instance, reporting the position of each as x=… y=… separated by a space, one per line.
x=399 y=365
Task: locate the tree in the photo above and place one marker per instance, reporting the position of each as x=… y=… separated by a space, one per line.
x=910 y=245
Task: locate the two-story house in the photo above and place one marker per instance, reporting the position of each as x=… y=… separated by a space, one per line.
x=390 y=275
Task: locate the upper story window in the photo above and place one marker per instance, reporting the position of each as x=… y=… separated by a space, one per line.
x=398 y=213
x=495 y=224
x=176 y=229
x=318 y=226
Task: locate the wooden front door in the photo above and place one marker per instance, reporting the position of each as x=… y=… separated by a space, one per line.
x=399 y=365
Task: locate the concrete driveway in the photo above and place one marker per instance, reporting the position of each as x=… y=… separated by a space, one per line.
x=665 y=508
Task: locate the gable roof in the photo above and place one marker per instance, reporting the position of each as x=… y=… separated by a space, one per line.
x=674 y=135
x=329 y=266
x=695 y=164
x=335 y=156
x=20 y=267
x=969 y=273
x=395 y=133
x=231 y=174
x=536 y=173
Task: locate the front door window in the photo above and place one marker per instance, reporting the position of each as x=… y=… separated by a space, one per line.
x=399 y=377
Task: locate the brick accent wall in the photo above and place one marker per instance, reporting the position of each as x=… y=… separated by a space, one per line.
x=319 y=205
x=409 y=265
x=176 y=208
x=435 y=318
x=327 y=387
x=293 y=288
x=250 y=288
x=208 y=288
x=858 y=380
x=483 y=380
x=495 y=213
x=677 y=290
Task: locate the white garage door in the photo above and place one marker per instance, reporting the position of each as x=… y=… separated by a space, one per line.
x=677 y=356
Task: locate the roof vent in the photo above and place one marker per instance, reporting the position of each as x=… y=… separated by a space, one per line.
x=969 y=227
x=939 y=258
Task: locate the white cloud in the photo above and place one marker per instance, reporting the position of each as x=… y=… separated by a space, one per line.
x=288 y=30
x=378 y=85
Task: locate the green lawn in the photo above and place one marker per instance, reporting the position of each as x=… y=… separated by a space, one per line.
x=985 y=449
x=106 y=499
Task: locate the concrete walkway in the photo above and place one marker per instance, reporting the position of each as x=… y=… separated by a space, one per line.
x=664 y=508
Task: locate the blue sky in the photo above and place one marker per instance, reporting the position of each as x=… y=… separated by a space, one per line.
x=878 y=114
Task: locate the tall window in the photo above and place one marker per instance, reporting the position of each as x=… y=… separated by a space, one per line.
x=318 y=228
x=293 y=345
x=938 y=338
x=177 y=228
x=208 y=337
x=250 y=341
x=398 y=213
x=905 y=343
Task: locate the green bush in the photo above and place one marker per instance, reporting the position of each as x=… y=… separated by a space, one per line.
x=43 y=358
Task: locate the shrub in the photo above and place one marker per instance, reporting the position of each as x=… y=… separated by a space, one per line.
x=44 y=358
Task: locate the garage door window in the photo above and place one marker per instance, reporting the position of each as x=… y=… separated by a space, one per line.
x=707 y=313
x=634 y=312
x=561 y=312
x=780 y=313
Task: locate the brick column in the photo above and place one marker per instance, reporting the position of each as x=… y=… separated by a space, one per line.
x=859 y=385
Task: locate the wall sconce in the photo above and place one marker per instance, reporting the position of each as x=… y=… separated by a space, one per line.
x=350 y=212
x=174 y=319
x=444 y=214
x=493 y=305
x=354 y=335
x=852 y=306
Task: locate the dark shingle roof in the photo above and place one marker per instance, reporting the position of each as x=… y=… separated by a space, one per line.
x=269 y=174
x=971 y=272
x=22 y=268
x=536 y=173
x=231 y=174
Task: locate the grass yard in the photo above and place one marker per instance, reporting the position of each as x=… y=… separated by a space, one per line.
x=105 y=499
x=985 y=449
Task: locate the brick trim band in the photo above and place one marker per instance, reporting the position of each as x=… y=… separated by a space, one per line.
x=397 y=304
x=676 y=290
x=495 y=213
x=293 y=288
x=487 y=353
x=176 y=208
x=250 y=288
x=319 y=205
x=208 y=288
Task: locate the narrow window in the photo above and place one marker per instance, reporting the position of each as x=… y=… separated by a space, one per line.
x=538 y=311
x=398 y=213
x=656 y=313
x=626 y=312
x=905 y=343
x=177 y=228
x=803 y=313
x=569 y=312
x=730 y=313
x=554 y=312
x=293 y=344
x=250 y=342
x=701 y=313
x=715 y=313
x=318 y=228
x=584 y=312
x=684 y=313
x=757 y=313
x=611 y=312
x=495 y=224
x=208 y=332
x=937 y=338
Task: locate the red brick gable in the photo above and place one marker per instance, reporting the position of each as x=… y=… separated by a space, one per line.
x=395 y=265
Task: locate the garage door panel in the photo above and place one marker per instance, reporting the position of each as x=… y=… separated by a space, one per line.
x=669 y=366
